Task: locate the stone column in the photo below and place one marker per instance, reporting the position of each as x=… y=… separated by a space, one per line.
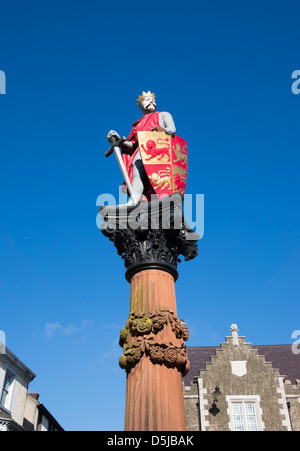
x=154 y=352
x=154 y=400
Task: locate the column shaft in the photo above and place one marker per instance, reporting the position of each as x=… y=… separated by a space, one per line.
x=154 y=395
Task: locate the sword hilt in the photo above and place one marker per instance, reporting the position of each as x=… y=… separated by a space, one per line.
x=115 y=142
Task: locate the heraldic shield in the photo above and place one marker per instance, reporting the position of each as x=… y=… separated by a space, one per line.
x=165 y=161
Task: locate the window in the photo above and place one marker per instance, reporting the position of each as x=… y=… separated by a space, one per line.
x=6 y=395
x=244 y=413
x=244 y=416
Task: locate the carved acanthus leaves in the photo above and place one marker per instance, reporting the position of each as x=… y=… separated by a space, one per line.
x=139 y=337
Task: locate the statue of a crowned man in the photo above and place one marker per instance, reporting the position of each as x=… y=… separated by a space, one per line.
x=144 y=182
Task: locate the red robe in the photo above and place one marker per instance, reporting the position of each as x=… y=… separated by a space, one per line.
x=146 y=123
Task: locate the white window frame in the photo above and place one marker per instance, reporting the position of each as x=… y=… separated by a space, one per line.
x=9 y=396
x=255 y=399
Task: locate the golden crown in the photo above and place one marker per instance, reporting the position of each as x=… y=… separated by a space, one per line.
x=145 y=94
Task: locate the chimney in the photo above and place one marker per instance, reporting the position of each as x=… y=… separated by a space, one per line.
x=34 y=396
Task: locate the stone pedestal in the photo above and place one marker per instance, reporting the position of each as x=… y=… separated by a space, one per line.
x=150 y=238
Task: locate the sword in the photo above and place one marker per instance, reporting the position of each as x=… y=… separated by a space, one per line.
x=115 y=143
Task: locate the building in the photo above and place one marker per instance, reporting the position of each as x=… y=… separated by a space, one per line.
x=240 y=387
x=20 y=410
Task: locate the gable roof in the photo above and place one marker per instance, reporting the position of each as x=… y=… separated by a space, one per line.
x=281 y=357
x=7 y=356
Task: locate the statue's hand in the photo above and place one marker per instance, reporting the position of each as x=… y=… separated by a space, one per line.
x=127 y=147
x=111 y=134
x=170 y=130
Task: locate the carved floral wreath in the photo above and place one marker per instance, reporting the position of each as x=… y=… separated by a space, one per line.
x=138 y=338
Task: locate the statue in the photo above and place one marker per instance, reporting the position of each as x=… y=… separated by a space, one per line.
x=150 y=230
x=154 y=159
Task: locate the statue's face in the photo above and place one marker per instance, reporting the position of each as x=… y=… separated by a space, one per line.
x=148 y=104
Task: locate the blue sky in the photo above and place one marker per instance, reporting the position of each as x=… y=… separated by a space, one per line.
x=74 y=71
